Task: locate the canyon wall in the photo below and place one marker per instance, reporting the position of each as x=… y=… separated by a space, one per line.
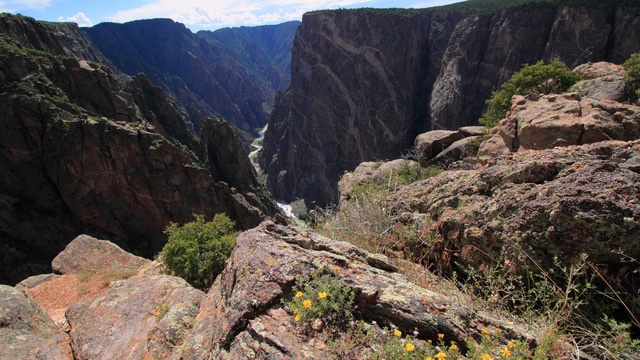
x=81 y=153
x=365 y=83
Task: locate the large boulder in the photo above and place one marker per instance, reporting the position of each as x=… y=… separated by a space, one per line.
x=26 y=331
x=430 y=144
x=86 y=252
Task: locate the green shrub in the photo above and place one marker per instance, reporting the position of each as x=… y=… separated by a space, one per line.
x=632 y=66
x=197 y=251
x=534 y=79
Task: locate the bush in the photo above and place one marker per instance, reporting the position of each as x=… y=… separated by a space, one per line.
x=198 y=250
x=632 y=66
x=534 y=79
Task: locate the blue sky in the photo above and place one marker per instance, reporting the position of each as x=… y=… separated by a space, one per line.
x=195 y=14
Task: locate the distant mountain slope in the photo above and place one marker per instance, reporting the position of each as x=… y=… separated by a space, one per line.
x=266 y=50
x=365 y=83
x=200 y=72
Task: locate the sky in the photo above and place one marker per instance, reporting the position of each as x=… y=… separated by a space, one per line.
x=195 y=14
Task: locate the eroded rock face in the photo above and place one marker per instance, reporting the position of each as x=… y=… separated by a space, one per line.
x=353 y=99
x=142 y=318
x=559 y=202
x=26 y=331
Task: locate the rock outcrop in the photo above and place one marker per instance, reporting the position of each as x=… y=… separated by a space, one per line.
x=358 y=94
x=559 y=202
x=82 y=154
x=561 y=120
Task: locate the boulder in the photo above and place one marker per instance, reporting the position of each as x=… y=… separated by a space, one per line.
x=431 y=143
x=242 y=317
x=26 y=331
x=143 y=318
x=86 y=252
x=593 y=70
x=611 y=87
x=463 y=148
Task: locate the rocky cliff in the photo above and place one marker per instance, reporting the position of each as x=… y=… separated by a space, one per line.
x=82 y=153
x=364 y=83
x=234 y=73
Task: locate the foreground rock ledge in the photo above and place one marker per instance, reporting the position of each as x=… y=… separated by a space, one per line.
x=241 y=317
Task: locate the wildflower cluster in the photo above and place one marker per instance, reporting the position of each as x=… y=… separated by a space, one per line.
x=493 y=346
x=320 y=295
x=161 y=309
x=394 y=346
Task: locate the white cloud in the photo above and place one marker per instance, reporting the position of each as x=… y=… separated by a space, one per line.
x=80 y=18
x=198 y=14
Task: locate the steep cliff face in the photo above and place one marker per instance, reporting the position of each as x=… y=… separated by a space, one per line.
x=202 y=74
x=364 y=83
x=80 y=153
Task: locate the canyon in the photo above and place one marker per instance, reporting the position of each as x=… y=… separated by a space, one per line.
x=365 y=83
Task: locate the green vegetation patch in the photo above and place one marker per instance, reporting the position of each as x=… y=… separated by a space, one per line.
x=321 y=296
x=197 y=251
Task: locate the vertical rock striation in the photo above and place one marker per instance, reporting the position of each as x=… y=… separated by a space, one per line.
x=365 y=83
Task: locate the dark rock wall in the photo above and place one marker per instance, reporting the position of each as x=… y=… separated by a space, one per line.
x=366 y=82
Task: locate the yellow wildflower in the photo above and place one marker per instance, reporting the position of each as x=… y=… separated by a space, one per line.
x=429 y=341
x=453 y=347
x=299 y=294
x=306 y=304
x=486 y=357
x=322 y=295
x=429 y=358
x=440 y=336
x=295 y=311
x=485 y=333
x=505 y=352
x=511 y=345
x=409 y=347
x=441 y=356
x=297 y=318
x=397 y=333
